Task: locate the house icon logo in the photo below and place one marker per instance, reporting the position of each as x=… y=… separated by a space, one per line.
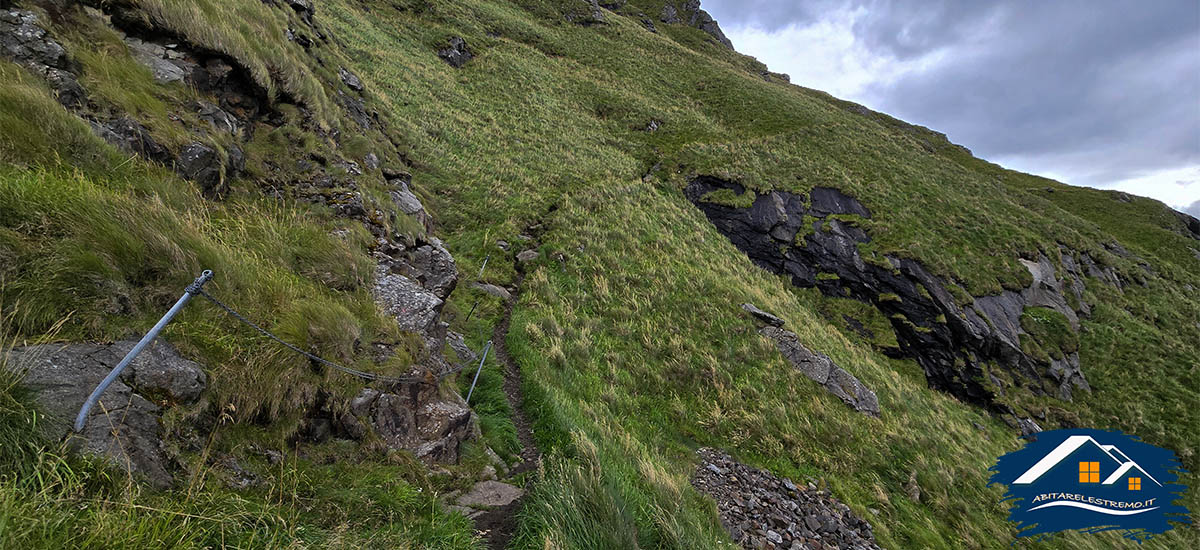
x=1091 y=480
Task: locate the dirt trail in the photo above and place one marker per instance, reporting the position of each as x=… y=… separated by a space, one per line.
x=499 y=525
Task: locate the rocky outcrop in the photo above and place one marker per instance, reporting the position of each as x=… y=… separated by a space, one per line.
x=456 y=53
x=691 y=13
x=124 y=426
x=25 y=42
x=413 y=417
x=761 y=510
x=818 y=367
x=798 y=236
x=584 y=12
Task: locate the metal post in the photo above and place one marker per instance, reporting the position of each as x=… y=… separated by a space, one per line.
x=484 y=266
x=191 y=290
x=478 y=370
x=473 y=306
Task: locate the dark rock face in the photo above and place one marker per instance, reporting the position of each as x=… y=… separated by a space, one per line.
x=124 y=426
x=25 y=42
x=952 y=343
x=457 y=53
x=763 y=511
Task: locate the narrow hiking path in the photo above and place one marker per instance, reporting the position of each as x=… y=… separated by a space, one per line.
x=499 y=525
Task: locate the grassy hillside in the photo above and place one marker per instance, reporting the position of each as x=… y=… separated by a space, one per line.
x=628 y=331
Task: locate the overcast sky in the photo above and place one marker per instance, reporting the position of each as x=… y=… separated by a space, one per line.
x=1101 y=93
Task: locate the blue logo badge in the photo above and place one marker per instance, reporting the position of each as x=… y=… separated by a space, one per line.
x=1091 y=480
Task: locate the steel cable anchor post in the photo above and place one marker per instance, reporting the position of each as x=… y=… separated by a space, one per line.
x=486 y=348
x=193 y=289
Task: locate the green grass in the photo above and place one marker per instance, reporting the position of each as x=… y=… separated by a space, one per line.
x=628 y=333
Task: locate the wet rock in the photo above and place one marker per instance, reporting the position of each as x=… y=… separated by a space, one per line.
x=490 y=494
x=456 y=53
x=435 y=267
x=762 y=511
x=350 y=79
x=762 y=315
x=822 y=370
x=356 y=110
x=415 y=417
x=124 y=426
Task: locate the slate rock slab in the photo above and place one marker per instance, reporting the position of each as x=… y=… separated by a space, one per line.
x=490 y=494
x=124 y=425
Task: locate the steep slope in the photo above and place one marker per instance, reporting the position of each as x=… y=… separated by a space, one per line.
x=973 y=301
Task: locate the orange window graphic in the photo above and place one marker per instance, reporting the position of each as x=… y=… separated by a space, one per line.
x=1089 y=472
x=1135 y=484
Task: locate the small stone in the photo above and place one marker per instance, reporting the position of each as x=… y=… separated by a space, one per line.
x=715 y=469
x=350 y=79
x=774 y=537
x=527 y=256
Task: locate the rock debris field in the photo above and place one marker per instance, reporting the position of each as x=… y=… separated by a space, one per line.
x=764 y=511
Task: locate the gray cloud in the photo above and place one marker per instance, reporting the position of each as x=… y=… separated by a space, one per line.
x=1098 y=90
x=1194 y=209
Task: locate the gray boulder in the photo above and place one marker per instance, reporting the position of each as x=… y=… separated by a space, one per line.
x=158 y=373
x=124 y=426
x=493 y=290
x=201 y=164
x=413 y=417
x=435 y=268
x=415 y=308
x=490 y=494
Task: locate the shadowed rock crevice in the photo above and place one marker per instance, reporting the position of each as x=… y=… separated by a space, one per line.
x=813 y=240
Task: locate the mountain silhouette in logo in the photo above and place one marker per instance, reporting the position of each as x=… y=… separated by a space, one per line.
x=1074 y=443
x=1091 y=480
